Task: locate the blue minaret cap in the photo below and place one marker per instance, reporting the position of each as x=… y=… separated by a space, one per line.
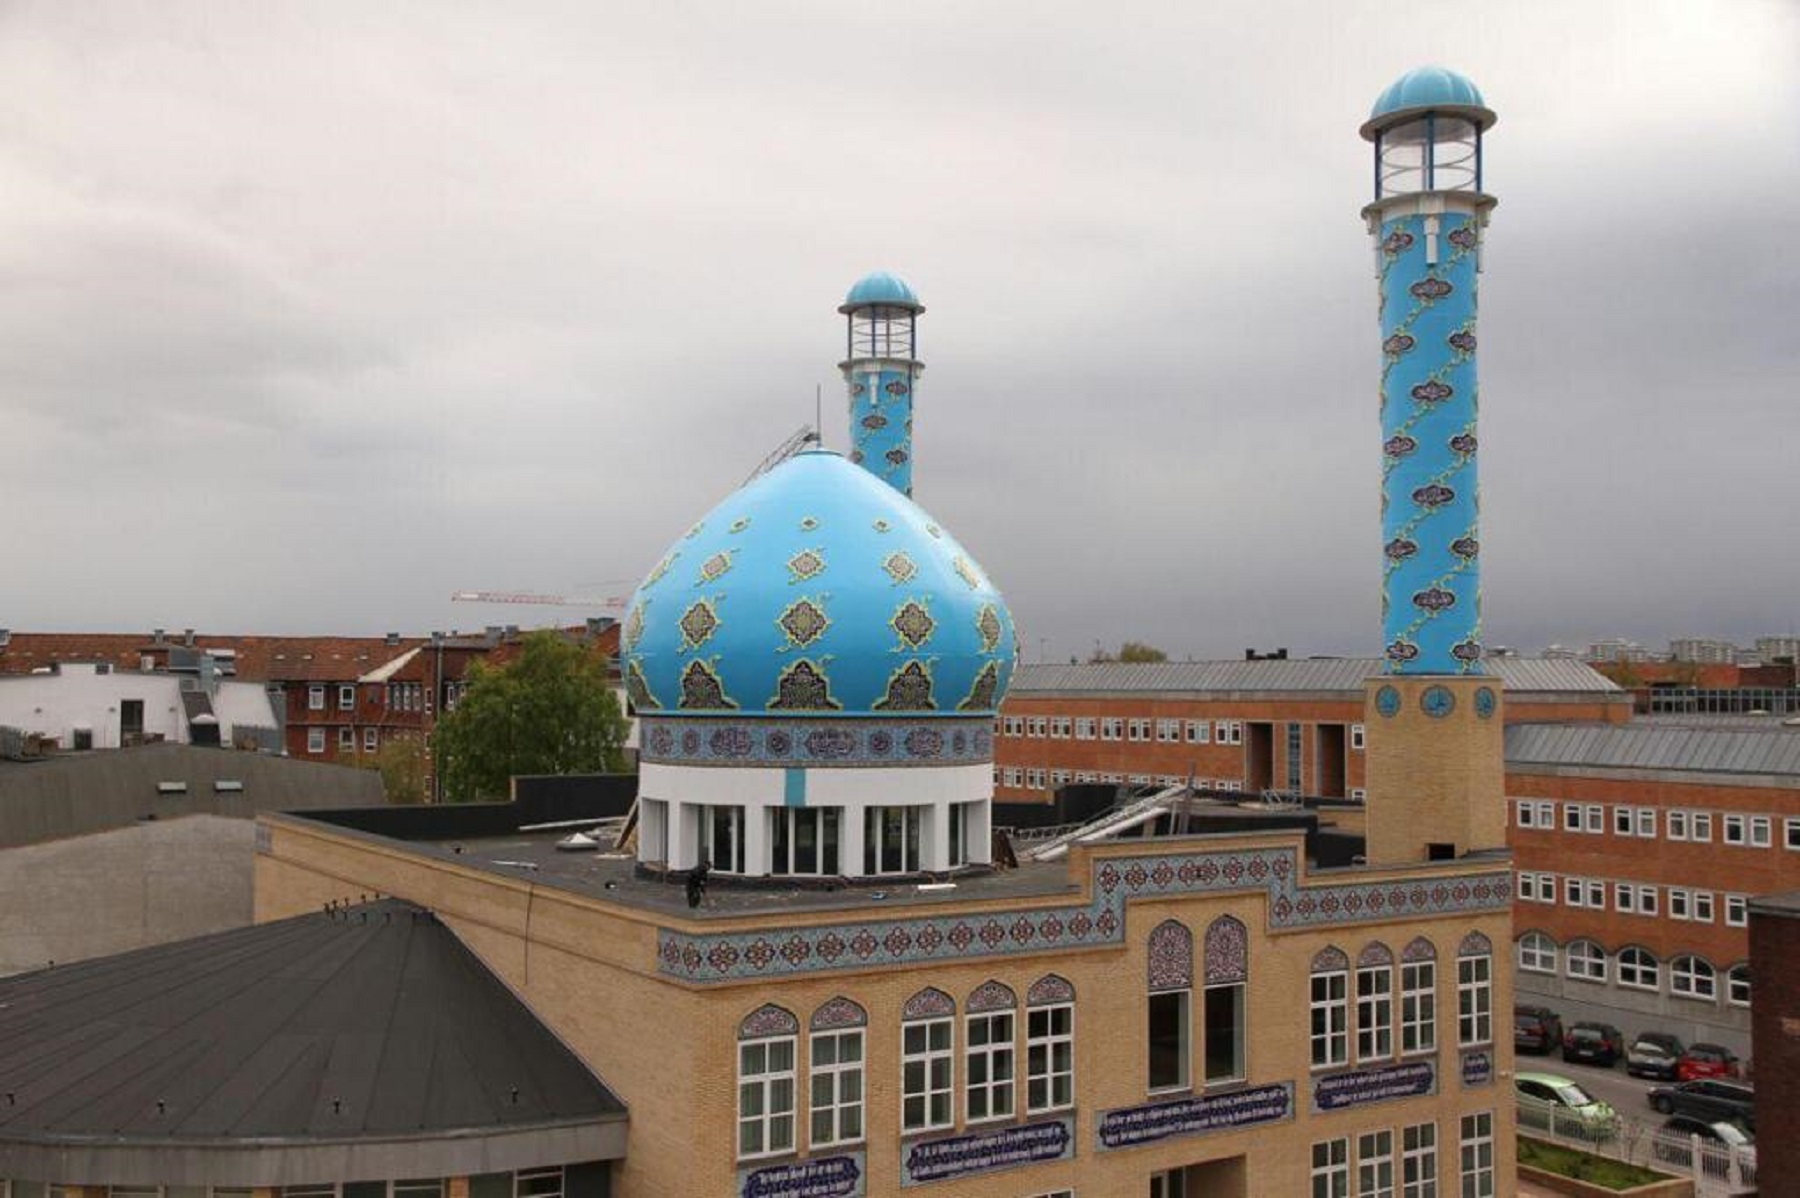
x=881 y=289
x=1428 y=89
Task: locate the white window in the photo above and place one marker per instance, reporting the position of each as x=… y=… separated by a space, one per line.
x=1574 y=892
x=1228 y=732
x=1703 y=906
x=1524 y=813
x=1049 y=1058
x=315 y=697
x=1012 y=725
x=1375 y=1013
x=765 y=1096
x=926 y=1074
x=1691 y=977
x=1675 y=825
x=315 y=740
x=1084 y=776
x=1478 y=1155
x=1736 y=914
x=1059 y=777
x=837 y=1087
x=1330 y=1008
x=1734 y=829
x=1596 y=894
x=1084 y=727
x=1139 y=779
x=1331 y=1169
x=1647 y=900
x=1040 y=726
x=1585 y=961
x=1537 y=888
x=1059 y=727
x=1474 y=1000
x=1593 y=819
x=346 y=698
x=1537 y=953
x=1571 y=817
x=1034 y=779
x=1013 y=775
x=1678 y=902
x=1700 y=826
x=1418 y=1161
x=989 y=1062
x=1168 y=730
x=1624 y=823
x=1625 y=897
x=1418 y=1006
x=1358 y=795
x=890 y=839
x=527 y=1183
x=371 y=739
x=1375 y=1164
x=1358 y=738
x=1111 y=728
x=347 y=739
x=1199 y=732
x=1761 y=833
x=1737 y=986
x=1136 y=729
x=1646 y=822
x=1638 y=969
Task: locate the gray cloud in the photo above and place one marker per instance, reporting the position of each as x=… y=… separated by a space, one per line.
x=315 y=314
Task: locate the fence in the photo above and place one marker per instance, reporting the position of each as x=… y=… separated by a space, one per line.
x=1716 y=1169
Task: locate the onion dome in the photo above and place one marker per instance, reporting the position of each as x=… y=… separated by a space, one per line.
x=817 y=590
x=884 y=290
x=1428 y=89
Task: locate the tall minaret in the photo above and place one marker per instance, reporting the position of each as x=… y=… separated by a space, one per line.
x=1435 y=757
x=881 y=368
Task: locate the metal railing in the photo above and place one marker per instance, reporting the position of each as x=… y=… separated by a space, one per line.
x=1717 y=1170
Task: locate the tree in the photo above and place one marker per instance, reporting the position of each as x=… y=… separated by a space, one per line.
x=401 y=762
x=549 y=711
x=1131 y=651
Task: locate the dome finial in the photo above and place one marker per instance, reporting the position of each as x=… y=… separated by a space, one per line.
x=1427 y=89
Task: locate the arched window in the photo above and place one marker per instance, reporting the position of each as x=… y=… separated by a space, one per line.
x=1049 y=1045
x=988 y=1052
x=1737 y=986
x=927 y=1049
x=1692 y=977
x=1585 y=961
x=837 y=1053
x=1374 y=1003
x=1171 y=980
x=1639 y=969
x=1418 y=997
x=1474 y=990
x=1329 y=1007
x=766 y=1041
x=1227 y=975
x=1537 y=953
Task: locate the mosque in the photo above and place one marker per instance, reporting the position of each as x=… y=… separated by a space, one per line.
x=878 y=994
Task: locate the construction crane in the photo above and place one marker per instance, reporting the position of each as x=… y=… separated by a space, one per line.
x=800 y=439
x=607 y=603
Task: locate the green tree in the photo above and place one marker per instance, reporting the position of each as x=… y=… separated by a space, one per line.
x=1131 y=651
x=401 y=762
x=549 y=711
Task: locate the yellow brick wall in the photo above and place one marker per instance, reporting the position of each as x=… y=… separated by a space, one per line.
x=1434 y=779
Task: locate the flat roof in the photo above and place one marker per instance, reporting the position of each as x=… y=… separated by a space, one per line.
x=1344 y=676
x=1680 y=747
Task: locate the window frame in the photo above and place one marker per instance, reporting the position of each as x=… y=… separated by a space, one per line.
x=1733 y=982
x=315 y=696
x=1418 y=1160
x=1532 y=957
x=1375 y=1013
x=1375 y=1174
x=1589 y=971
x=766 y=1082
x=1477 y=1130
x=1637 y=969
x=1699 y=981
x=1054 y=1080
x=1334 y=1006
x=1330 y=1174
x=1418 y=1007
x=928 y=1057
x=1475 y=1016
x=836 y=1073
x=346 y=696
x=315 y=740
x=1240 y=1047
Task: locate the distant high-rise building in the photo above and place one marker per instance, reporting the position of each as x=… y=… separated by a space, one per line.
x=1617 y=649
x=1770 y=648
x=1702 y=650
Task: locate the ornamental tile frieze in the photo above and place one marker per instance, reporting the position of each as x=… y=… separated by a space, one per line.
x=1100 y=922
x=837 y=743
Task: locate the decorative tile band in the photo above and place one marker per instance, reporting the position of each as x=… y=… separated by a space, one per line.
x=950 y=936
x=841 y=744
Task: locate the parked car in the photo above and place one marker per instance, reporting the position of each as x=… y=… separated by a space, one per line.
x=1536 y=1029
x=1554 y=1102
x=1707 y=1060
x=1653 y=1054
x=1593 y=1043
x=1672 y=1145
x=1708 y=1100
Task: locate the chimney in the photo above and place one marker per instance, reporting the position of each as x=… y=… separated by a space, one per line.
x=156 y=636
x=187 y=636
x=393 y=638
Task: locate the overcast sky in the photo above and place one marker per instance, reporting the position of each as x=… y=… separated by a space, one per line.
x=312 y=313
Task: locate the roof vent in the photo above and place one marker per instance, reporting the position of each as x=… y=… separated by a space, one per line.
x=393 y=638
x=171 y=788
x=228 y=786
x=156 y=635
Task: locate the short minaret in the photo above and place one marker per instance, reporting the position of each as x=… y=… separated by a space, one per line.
x=881 y=368
x=1435 y=767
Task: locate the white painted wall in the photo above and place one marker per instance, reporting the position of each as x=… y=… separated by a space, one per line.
x=80 y=696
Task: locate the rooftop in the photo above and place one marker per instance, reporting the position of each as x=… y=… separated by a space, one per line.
x=1683 y=746
x=367 y=1022
x=1345 y=676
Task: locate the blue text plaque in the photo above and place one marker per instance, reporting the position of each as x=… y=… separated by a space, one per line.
x=1129 y=1126
x=1340 y=1090
x=986 y=1151
x=820 y=1177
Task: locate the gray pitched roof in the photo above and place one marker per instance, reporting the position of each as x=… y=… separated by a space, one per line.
x=1685 y=748
x=374 y=1022
x=1344 y=675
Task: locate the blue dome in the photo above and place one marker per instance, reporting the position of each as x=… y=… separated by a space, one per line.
x=881 y=288
x=1430 y=87
x=818 y=590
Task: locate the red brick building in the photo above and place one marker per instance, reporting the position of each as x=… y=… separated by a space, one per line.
x=1775 y=959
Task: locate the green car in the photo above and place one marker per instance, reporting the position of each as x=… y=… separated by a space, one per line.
x=1552 y=1103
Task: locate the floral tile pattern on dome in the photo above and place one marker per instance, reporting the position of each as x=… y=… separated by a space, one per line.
x=806 y=565
x=803 y=687
x=637 y=689
x=913 y=624
x=900 y=568
x=802 y=623
x=983 y=690
x=703 y=690
x=909 y=689
x=698 y=623
x=1102 y=921
x=633 y=632
x=716 y=566
x=967 y=572
x=801 y=742
x=989 y=628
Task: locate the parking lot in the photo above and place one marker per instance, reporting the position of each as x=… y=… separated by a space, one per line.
x=1627 y=1094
